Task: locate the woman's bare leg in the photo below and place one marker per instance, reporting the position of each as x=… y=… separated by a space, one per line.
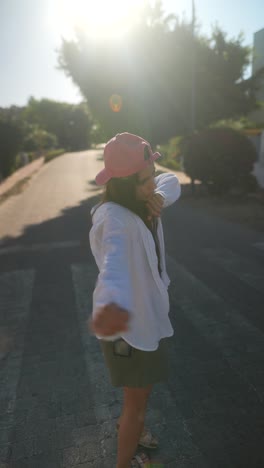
x=131 y=423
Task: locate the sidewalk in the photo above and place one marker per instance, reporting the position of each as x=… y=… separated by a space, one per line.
x=20 y=174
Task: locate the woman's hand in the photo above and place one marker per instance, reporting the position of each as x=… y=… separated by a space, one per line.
x=155 y=205
x=109 y=320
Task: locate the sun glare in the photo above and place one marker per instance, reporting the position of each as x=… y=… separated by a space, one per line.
x=99 y=18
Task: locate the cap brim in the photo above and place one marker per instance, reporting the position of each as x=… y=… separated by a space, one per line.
x=102 y=177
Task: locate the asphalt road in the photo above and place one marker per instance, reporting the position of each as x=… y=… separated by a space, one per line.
x=57 y=407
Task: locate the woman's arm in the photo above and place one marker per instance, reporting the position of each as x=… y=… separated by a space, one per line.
x=167 y=191
x=112 y=295
x=168 y=186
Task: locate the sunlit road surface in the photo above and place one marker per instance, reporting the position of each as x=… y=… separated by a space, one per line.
x=57 y=407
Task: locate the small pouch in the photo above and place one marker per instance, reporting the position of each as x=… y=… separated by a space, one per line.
x=122 y=348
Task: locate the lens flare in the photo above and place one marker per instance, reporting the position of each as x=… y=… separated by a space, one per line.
x=115 y=102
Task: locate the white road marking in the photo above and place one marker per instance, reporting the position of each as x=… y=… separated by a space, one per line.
x=107 y=405
x=240 y=342
x=246 y=270
x=38 y=247
x=259 y=245
x=15 y=299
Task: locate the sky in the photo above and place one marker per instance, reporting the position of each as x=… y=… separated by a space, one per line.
x=30 y=34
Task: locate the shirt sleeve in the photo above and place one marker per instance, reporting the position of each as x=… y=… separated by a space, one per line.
x=168 y=186
x=114 y=282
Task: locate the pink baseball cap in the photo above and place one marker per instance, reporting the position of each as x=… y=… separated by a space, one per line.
x=124 y=155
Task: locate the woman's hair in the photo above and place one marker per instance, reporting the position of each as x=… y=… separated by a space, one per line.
x=123 y=191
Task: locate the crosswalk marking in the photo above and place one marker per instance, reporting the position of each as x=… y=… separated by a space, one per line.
x=259 y=245
x=15 y=298
x=239 y=341
x=246 y=270
x=221 y=326
x=44 y=247
x=107 y=401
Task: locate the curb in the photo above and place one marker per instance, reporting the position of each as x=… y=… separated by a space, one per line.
x=23 y=173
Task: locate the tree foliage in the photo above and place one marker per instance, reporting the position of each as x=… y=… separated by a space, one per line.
x=39 y=140
x=12 y=131
x=151 y=72
x=10 y=143
x=71 y=124
x=171 y=153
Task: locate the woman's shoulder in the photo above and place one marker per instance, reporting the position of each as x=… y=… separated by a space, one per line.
x=111 y=210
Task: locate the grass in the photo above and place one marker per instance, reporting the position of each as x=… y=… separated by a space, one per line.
x=16 y=189
x=53 y=154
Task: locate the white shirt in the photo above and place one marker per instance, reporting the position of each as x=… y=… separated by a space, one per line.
x=125 y=253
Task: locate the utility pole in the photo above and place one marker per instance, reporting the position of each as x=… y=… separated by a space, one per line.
x=193 y=85
x=193 y=88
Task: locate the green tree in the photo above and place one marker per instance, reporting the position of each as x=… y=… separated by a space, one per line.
x=70 y=123
x=10 y=143
x=149 y=76
x=39 y=140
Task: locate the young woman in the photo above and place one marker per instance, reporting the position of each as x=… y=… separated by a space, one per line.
x=130 y=300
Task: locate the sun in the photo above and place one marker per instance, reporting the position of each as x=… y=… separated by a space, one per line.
x=99 y=18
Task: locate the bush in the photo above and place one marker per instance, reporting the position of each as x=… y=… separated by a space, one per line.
x=31 y=156
x=39 y=140
x=53 y=154
x=171 y=154
x=222 y=158
x=10 y=143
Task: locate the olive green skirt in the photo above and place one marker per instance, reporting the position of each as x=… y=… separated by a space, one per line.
x=131 y=367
